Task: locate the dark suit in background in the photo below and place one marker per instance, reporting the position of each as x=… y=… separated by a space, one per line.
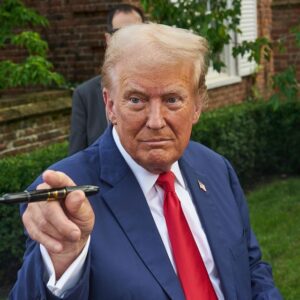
x=88 y=120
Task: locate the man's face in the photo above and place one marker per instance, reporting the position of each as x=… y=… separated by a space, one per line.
x=122 y=19
x=153 y=110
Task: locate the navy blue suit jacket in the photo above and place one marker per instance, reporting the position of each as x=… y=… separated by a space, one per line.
x=127 y=258
x=88 y=118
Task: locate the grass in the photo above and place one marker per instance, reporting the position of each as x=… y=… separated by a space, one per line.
x=275 y=210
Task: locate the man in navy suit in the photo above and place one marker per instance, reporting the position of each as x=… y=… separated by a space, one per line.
x=121 y=243
x=88 y=119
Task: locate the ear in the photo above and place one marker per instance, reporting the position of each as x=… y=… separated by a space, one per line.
x=109 y=106
x=107 y=37
x=198 y=110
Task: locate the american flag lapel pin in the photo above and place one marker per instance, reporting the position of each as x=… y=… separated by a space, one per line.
x=202 y=186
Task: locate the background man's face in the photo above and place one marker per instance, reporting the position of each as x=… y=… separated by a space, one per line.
x=122 y=19
x=153 y=108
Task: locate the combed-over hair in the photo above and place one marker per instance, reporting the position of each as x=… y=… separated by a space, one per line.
x=159 y=45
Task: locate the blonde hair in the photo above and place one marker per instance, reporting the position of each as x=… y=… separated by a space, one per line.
x=163 y=45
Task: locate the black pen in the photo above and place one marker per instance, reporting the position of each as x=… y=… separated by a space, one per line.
x=47 y=194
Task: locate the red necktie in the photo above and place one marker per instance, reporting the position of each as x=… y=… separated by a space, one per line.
x=190 y=267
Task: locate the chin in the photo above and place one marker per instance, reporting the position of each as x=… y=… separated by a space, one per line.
x=157 y=162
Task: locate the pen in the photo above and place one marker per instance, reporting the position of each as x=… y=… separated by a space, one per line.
x=47 y=194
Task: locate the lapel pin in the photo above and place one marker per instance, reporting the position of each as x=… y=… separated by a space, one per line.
x=202 y=186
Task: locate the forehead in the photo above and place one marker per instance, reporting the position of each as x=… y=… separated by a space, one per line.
x=154 y=78
x=122 y=19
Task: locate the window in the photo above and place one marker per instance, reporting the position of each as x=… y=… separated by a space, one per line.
x=238 y=67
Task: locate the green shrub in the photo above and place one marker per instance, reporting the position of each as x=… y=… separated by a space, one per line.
x=258 y=139
x=17 y=173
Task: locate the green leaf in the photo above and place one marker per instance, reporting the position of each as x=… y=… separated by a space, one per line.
x=35 y=69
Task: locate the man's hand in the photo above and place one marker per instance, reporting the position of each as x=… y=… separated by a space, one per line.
x=63 y=227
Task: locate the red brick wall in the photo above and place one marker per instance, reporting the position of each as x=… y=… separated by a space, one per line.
x=33 y=120
x=286 y=14
x=264 y=22
x=230 y=94
x=76 y=40
x=75 y=35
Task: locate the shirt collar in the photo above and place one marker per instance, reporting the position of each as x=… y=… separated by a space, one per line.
x=145 y=179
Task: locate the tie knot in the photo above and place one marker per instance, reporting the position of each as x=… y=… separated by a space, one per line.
x=166 y=181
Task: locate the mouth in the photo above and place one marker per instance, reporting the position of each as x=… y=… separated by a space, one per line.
x=153 y=143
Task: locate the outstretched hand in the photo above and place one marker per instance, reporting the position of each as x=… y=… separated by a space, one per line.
x=62 y=227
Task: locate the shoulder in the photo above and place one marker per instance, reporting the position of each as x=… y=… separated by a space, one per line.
x=197 y=153
x=89 y=84
x=215 y=166
x=83 y=167
x=206 y=161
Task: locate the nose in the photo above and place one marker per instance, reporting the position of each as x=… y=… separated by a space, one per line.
x=155 y=118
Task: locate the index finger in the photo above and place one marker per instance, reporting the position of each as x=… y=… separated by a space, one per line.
x=56 y=216
x=57 y=179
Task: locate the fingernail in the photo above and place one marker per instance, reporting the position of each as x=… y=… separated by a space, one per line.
x=75 y=235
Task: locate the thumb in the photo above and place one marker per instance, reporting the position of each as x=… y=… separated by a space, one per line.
x=74 y=201
x=80 y=211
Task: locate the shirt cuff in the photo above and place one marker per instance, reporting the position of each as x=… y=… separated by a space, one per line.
x=69 y=278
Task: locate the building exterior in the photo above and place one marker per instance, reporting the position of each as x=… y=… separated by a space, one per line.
x=76 y=47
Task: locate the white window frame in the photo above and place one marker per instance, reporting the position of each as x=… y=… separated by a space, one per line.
x=238 y=67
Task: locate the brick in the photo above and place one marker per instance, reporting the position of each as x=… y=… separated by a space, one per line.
x=76 y=47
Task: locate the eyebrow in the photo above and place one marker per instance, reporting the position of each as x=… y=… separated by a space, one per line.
x=134 y=91
x=141 y=93
x=173 y=89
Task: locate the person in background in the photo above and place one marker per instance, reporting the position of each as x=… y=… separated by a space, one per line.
x=170 y=220
x=88 y=119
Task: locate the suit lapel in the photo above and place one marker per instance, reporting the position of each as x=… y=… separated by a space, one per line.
x=205 y=202
x=131 y=211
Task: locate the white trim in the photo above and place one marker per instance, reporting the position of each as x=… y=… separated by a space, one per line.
x=248 y=27
x=221 y=80
x=238 y=67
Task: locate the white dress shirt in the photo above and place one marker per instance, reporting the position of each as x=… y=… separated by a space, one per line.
x=154 y=196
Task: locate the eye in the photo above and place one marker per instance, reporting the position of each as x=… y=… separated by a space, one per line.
x=172 y=100
x=134 y=100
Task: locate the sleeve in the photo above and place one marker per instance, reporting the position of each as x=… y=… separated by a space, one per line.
x=71 y=276
x=262 y=284
x=78 y=131
x=31 y=278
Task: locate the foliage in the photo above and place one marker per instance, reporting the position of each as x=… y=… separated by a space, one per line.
x=35 y=69
x=213 y=20
x=20 y=171
x=255 y=137
x=219 y=23
x=285 y=86
x=296 y=31
x=274 y=212
x=254 y=49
